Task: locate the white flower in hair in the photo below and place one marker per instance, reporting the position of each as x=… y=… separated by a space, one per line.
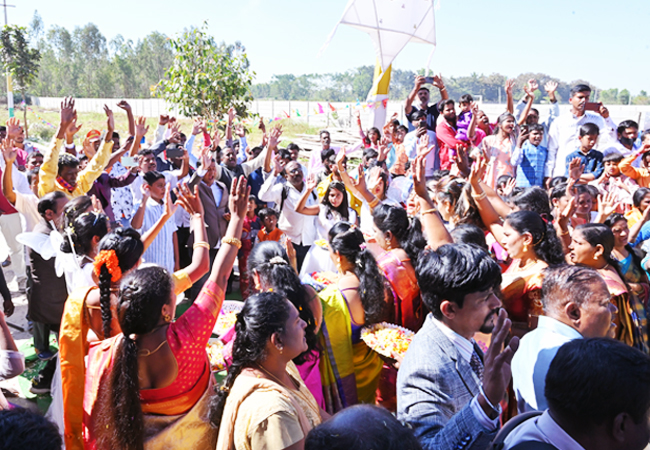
x=277 y=260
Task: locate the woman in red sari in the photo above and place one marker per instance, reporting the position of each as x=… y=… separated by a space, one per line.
x=151 y=383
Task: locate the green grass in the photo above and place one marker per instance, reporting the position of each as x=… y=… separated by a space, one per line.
x=43 y=133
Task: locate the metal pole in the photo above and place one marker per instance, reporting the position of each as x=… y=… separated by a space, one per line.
x=10 y=90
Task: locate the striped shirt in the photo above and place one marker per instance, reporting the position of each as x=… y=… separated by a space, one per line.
x=161 y=250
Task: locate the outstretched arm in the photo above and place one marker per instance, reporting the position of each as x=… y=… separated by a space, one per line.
x=302 y=207
x=435 y=231
x=191 y=202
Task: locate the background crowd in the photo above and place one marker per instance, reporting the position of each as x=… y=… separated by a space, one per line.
x=513 y=246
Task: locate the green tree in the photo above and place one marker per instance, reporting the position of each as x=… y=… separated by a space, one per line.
x=624 y=97
x=21 y=61
x=207 y=78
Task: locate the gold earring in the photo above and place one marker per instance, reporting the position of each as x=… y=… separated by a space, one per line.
x=167 y=318
x=280 y=349
x=525 y=248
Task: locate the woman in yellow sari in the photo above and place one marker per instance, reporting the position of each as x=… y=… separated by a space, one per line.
x=349 y=368
x=150 y=384
x=592 y=245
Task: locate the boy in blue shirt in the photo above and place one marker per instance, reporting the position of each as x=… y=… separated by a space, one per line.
x=530 y=157
x=590 y=159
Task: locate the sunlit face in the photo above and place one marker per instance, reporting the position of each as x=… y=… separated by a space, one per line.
x=294 y=338
x=464 y=106
x=532 y=117
x=536 y=137
x=229 y=158
x=252 y=204
x=34 y=162
x=147 y=163
x=157 y=189
x=423 y=96
x=513 y=242
x=294 y=174
x=293 y=151
x=479 y=312
x=611 y=168
x=645 y=202
x=211 y=174
x=584 y=204
x=621 y=233
x=335 y=197
x=69 y=174
x=20 y=138
x=579 y=100
x=597 y=313
x=412 y=204
x=588 y=141
x=582 y=252
x=380 y=237
x=374 y=136
x=82 y=164
x=629 y=133
x=508 y=125
x=376 y=182
x=270 y=223
x=449 y=112
x=483 y=118
x=325 y=140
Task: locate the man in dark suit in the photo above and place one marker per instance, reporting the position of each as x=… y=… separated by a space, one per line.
x=447 y=390
x=214 y=197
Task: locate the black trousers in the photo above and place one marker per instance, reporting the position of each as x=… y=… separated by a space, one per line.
x=301 y=253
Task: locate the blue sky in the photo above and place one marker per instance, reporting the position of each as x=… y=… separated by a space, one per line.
x=605 y=42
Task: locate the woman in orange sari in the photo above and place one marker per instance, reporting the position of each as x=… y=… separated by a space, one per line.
x=151 y=383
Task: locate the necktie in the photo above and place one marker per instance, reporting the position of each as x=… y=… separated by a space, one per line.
x=477 y=365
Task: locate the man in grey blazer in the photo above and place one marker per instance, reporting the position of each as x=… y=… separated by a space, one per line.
x=447 y=390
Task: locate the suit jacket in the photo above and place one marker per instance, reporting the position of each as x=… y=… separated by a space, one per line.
x=434 y=389
x=215 y=223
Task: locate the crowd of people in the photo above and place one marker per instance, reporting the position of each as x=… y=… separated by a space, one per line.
x=513 y=247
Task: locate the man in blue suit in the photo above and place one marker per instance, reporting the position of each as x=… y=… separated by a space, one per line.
x=447 y=389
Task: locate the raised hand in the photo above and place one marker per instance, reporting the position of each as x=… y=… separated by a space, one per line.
x=461 y=159
x=576 y=168
x=510 y=84
x=238 y=201
x=509 y=187
x=278 y=164
x=603 y=111
x=216 y=139
x=274 y=137
x=550 y=87
x=123 y=104
x=523 y=137
x=196 y=126
x=188 y=200
x=240 y=131
x=477 y=172
x=9 y=152
x=170 y=207
x=232 y=112
x=606 y=204
x=497 y=371
x=96 y=205
x=384 y=148
x=532 y=85
x=67 y=112
x=261 y=126
x=163 y=120
x=206 y=158
x=419 y=178
x=419 y=81
x=423 y=148
x=13 y=128
x=437 y=81
x=73 y=128
x=141 y=128
x=312 y=182
x=110 y=123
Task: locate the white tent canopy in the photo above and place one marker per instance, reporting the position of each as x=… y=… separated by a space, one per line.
x=391 y=25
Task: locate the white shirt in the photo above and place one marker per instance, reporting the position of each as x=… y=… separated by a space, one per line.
x=542 y=429
x=323 y=223
x=161 y=250
x=27 y=205
x=533 y=358
x=564 y=134
x=18 y=179
x=411 y=141
x=137 y=183
x=298 y=227
x=465 y=349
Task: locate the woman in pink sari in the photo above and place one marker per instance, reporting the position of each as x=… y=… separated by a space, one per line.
x=151 y=383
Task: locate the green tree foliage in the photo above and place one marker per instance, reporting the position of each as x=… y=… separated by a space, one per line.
x=21 y=61
x=206 y=78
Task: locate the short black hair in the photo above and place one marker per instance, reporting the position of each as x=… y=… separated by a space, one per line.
x=468 y=233
x=454 y=271
x=557 y=180
x=613 y=156
x=34 y=154
x=418 y=114
x=115 y=135
x=618 y=373
x=466 y=98
x=638 y=195
x=444 y=102
x=21 y=428
x=579 y=88
x=267 y=212
x=626 y=124
x=151 y=177
x=402 y=128
x=589 y=129
x=145 y=152
x=67 y=160
x=48 y=202
x=536 y=127
x=326 y=154
x=284 y=153
x=381 y=430
x=320 y=133
x=293 y=146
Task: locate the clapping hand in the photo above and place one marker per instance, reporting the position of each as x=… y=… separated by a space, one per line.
x=190 y=201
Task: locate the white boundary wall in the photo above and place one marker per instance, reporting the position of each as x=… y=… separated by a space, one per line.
x=270 y=109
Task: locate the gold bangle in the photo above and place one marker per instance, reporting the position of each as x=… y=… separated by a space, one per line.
x=232 y=241
x=373 y=203
x=444 y=88
x=201 y=244
x=480 y=196
x=428 y=211
x=564 y=233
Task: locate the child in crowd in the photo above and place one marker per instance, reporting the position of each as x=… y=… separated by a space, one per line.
x=591 y=159
x=249 y=233
x=397 y=157
x=642 y=174
x=464 y=118
x=530 y=157
x=164 y=249
x=614 y=182
x=269 y=231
